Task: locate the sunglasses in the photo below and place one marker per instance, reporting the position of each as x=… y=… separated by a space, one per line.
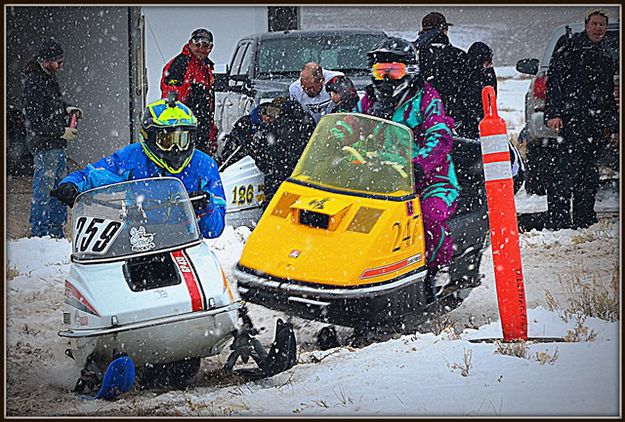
x=167 y=140
x=203 y=44
x=392 y=70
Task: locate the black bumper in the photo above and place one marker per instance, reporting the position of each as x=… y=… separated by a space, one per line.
x=374 y=304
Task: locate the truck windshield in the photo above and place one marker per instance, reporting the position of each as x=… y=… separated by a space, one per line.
x=286 y=56
x=358 y=153
x=134 y=217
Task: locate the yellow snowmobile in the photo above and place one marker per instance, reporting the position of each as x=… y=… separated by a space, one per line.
x=342 y=240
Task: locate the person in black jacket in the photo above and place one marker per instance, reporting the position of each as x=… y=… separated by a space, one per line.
x=442 y=65
x=283 y=144
x=246 y=135
x=48 y=132
x=343 y=94
x=581 y=108
x=480 y=74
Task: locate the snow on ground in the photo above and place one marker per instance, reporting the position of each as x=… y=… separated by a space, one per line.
x=418 y=374
x=430 y=372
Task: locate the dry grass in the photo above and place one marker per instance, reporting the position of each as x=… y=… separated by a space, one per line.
x=11 y=273
x=545 y=358
x=516 y=349
x=466 y=364
x=580 y=332
x=588 y=296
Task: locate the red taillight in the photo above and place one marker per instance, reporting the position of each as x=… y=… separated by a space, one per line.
x=540 y=87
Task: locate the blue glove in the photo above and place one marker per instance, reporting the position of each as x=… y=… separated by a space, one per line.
x=205 y=201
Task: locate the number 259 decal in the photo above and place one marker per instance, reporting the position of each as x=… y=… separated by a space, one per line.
x=95 y=235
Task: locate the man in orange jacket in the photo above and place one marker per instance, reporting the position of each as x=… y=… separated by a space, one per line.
x=191 y=75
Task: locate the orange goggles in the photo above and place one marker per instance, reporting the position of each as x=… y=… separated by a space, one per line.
x=392 y=70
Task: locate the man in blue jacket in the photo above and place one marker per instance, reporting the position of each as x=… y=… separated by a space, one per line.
x=167 y=148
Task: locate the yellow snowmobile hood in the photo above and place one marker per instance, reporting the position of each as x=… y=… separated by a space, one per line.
x=336 y=237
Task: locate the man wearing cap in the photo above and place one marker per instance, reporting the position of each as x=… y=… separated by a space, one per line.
x=580 y=107
x=191 y=75
x=308 y=90
x=47 y=125
x=442 y=65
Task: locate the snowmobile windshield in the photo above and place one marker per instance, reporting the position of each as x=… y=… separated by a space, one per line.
x=358 y=153
x=287 y=55
x=137 y=217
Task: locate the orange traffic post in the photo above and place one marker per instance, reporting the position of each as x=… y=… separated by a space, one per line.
x=504 y=231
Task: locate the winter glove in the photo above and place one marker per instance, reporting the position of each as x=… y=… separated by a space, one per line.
x=70 y=134
x=66 y=193
x=205 y=201
x=72 y=109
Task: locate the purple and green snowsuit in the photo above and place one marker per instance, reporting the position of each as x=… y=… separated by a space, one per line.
x=424 y=113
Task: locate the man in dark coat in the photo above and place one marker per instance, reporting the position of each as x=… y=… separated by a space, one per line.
x=480 y=74
x=285 y=140
x=47 y=134
x=246 y=134
x=442 y=65
x=191 y=76
x=581 y=108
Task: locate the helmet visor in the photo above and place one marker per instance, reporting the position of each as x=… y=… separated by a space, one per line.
x=393 y=70
x=167 y=140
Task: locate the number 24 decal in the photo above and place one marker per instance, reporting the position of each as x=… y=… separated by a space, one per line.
x=404 y=235
x=244 y=195
x=95 y=235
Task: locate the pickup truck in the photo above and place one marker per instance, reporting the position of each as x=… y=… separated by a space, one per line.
x=263 y=66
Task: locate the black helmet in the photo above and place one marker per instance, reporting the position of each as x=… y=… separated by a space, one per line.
x=168 y=128
x=343 y=86
x=393 y=49
x=390 y=83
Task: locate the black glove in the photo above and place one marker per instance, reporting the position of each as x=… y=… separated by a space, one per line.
x=418 y=172
x=203 y=199
x=66 y=193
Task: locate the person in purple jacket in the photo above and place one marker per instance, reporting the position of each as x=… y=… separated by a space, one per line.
x=398 y=93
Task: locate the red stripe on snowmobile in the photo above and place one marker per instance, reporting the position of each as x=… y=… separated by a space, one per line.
x=72 y=293
x=189 y=279
x=374 y=272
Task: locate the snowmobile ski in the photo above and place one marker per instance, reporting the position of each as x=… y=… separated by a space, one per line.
x=118 y=378
x=282 y=354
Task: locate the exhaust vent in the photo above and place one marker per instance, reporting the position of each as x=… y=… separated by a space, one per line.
x=314 y=219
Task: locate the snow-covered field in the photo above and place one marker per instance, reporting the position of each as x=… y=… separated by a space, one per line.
x=426 y=373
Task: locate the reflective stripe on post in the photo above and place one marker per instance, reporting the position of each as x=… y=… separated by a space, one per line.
x=502 y=219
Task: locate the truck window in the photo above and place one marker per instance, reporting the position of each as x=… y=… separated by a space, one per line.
x=247 y=61
x=238 y=58
x=286 y=56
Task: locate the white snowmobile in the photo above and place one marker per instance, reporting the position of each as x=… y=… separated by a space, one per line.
x=144 y=291
x=243 y=184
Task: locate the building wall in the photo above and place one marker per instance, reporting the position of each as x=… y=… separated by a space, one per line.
x=96 y=71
